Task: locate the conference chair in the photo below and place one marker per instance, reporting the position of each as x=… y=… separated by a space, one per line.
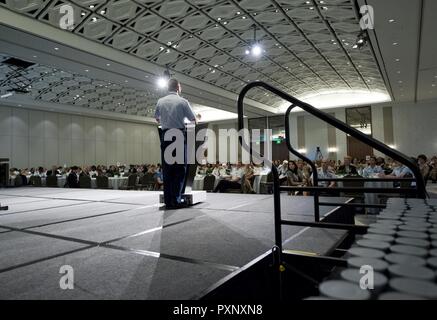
x=85 y=182
x=18 y=181
x=209 y=183
x=267 y=186
x=52 y=181
x=35 y=181
x=356 y=183
x=147 y=182
x=131 y=182
x=102 y=182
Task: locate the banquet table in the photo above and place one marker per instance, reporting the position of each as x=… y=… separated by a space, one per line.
x=373 y=198
x=113 y=182
x=61 y=181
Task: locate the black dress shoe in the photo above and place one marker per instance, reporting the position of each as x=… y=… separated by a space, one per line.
x=181 y=205
x=169 y=207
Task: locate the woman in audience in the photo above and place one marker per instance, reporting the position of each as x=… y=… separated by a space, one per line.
x=216 y=170
x=423 y=166
x=293 y=178
x=282 y=171
x=248 y=179
x=433 y=171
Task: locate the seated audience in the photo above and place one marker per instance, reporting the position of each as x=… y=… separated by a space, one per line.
x=372 y=169
x=73 y=178
x=324 y=173
x=347 y=168
x=423 y=166
x=231 y=182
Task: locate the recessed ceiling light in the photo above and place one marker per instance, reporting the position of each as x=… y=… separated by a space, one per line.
x=126 y=81
x=311 y=8
x=91 y=6
x=56 y=48
x=391 y=20
x=94 y=19
x=395 y=43
x=433 y=84
x=102 y=12
x=219 y=19
x=108 y=64
x=37 y=57
x=238 y=12
x=399 y=72
x=86 y=70
x=397 y=60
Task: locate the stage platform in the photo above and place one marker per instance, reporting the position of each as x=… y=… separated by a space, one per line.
x=121 y=245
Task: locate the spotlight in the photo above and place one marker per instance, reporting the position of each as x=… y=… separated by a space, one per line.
x=162 y=83
x=256 y=50
x=163 y=80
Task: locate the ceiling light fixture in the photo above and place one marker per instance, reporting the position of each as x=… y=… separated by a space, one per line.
x=163 y=80
x=255 y=49
x=6 y=95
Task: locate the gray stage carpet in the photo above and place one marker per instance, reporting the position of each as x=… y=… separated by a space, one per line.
x=121 y=245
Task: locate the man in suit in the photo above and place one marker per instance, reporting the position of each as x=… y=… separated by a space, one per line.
x=171 y=113
x=347 y=168
x=73 y=178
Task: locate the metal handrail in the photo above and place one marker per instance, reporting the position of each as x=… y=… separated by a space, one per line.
x=394 y=154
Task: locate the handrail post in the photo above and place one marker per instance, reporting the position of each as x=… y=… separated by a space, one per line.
x=277 y=208
x=307 y=160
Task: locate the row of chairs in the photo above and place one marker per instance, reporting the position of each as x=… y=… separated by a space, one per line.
x=147 y=182
x=265 y=186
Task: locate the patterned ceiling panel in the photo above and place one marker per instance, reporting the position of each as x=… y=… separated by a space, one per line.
x=308 y=43
x=58 y=86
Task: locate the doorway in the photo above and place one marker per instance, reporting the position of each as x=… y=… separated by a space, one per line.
x=359 y=118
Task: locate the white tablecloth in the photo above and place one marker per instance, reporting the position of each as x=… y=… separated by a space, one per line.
x=257 y=182
x=372 y=198
x=113 y=182
x=198 y=182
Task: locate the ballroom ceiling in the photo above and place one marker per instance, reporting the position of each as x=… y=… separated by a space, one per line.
x=308 y=46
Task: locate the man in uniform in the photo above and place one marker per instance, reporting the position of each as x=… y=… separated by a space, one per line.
x=171 y=113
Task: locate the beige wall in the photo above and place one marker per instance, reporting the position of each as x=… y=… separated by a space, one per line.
x=412 y=129
x=32 y=138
